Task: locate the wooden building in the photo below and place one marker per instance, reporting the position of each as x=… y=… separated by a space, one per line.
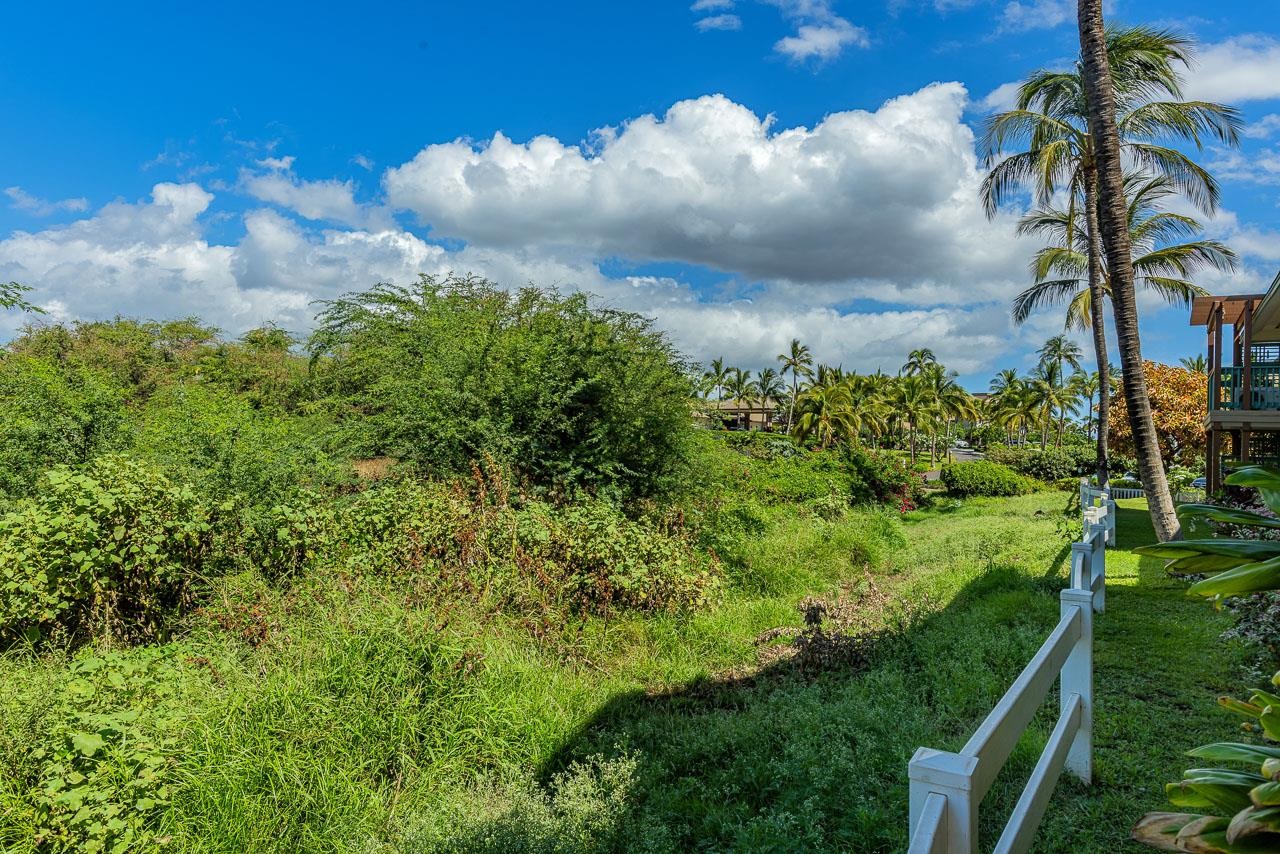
x=1243 y=422
x=747 y=414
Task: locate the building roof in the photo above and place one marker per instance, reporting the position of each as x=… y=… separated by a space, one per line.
x=743 y=405
x=1266 y=311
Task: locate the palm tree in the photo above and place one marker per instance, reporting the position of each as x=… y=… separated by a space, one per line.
x=1163 y=266
x=1053 y=116
x=869 y=395
x=1086 y=385
x=1100 y=92
x=717 y=376
x=769 y=386
x=799 y=364
x=1196 y=364
x=1006 y=391
x=1061 y=350
x=912 y=400
x=738 y=384
x=918 y=361
x=826 y=414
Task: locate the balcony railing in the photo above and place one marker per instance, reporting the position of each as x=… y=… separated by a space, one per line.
x=1226 y=391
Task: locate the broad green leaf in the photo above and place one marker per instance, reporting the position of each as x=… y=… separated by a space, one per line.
x=1253 y=754
x=87 y=743
x=1255 y=550
x=1266 y=795
x=1249 y=578
x=1213 y=513
x=1262 y=478
x=1203 y=563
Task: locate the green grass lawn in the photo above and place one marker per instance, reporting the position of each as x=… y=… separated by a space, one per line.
x=364 y=719
x=777 y=762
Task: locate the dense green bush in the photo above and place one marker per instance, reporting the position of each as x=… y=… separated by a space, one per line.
x=108 y=550
x=881 y=478
x=983 y=478
x=252 y=463
x=571 y=396
x=473 y=540
x=95 y=764
x=1049 y=464
x=53 y=414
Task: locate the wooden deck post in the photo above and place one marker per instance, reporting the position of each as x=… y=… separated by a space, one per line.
x=1246 y=370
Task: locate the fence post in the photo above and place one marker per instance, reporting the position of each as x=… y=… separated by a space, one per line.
x=950 y=775
x=1098 y=567
x=1111 y=518
x=1081 y=557
x=1077 y=678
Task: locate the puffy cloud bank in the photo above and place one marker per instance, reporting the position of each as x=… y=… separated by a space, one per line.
x=862 y=234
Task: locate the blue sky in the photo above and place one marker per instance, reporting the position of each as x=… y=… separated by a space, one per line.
x=743 y=171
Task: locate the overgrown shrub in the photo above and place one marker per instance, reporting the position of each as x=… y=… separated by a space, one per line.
x=573 y=397
x=93 y=766
x=881 y=478
x=108 y=550
x=53 y=414
x=475 y=540
x=256 y=465
x=983 y=477
x=1049 y=464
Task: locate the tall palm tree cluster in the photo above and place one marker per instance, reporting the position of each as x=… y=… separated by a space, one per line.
x=1039 y=403
x=1070 y=139
x=823 y=405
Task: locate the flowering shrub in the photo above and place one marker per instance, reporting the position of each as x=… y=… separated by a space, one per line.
x=883 y=478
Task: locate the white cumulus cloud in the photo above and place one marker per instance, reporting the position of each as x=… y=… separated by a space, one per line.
x=329 y=200
x=862 y=196
x=20 y=199
x=719 y=22
x=1245 y=68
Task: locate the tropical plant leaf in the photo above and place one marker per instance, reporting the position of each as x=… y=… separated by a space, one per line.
x=1253 y=754
x=1227 y=515
x=1203 y=563
x=1254 y=550
x=1266 y=795
x=1160 y=829
x=1252 y=822
x=1248 y=578
x=1262 y=478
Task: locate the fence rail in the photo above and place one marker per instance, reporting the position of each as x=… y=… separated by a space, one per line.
x=947 y=788
x=1117 y=492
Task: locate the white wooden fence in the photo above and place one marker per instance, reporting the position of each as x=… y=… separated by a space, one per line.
x=1117 y=492
x=947 y=788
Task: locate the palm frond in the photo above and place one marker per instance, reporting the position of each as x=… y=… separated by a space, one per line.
x=1042 y=295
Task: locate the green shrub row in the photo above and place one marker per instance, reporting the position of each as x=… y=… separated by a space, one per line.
x=116 y=549
x=983 y=477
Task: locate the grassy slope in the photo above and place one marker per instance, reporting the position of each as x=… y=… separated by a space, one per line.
x=360 y=723
x=781 y=763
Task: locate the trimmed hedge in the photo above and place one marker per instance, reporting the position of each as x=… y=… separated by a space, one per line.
x=984 y=478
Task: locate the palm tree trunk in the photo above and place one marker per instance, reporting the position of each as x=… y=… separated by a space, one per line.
x=1114 y=222
x=791 y=408
x=1098 y=321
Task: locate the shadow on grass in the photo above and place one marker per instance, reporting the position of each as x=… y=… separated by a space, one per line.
x=786 y=758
